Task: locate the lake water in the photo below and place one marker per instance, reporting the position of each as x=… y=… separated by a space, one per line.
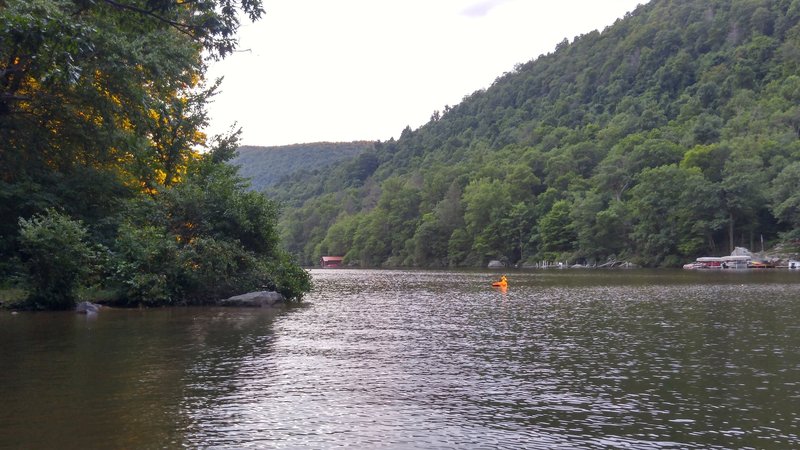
x=423 y=359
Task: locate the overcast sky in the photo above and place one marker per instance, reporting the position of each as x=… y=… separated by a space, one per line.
x=347 y=70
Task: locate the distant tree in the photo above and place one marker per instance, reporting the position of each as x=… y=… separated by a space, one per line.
x=557 y=232
x=486 y=203
x=785 y=198
x=743 y=191
x=674 y=212
x=602 y=227
x=516 y=225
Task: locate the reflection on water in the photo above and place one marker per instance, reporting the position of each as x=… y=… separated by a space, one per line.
x=403 y=359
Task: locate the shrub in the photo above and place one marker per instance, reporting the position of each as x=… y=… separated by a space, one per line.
x=56 y=257
x=287 y=277
x=146 y=266
x=217 y=269
x=153 y=267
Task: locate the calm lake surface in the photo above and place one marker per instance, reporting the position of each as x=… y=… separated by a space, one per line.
x=423 y=359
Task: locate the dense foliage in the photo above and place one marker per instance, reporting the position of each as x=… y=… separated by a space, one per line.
x=56 y=256
x=101 y=107
x=671 y=134
x=267 y=166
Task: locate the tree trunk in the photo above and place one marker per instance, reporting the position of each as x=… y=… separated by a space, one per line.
x=712 y=244
x=730 y=232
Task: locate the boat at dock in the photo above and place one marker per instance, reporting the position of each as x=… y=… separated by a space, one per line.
x=720 y=262
x=728 y=262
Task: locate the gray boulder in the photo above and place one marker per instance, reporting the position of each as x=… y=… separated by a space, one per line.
x=257 y=299
x=87 y=308
x=494 y=264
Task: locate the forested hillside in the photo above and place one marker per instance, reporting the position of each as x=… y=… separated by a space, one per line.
x=265 y=166
x=671 y=134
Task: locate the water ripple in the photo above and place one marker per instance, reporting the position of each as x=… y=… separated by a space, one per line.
x=438 y=360
x=423 y=359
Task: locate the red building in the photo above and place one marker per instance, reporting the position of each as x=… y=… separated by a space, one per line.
x=331 y=262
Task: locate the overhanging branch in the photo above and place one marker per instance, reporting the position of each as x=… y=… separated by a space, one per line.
x=182 y=27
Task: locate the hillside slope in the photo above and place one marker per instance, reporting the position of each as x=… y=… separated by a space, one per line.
x=671 y=134
x=266 y=166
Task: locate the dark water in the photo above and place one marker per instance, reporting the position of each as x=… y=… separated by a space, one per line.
x=404 y=359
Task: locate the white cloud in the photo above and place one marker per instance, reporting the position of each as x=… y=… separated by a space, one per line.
x=482 y=8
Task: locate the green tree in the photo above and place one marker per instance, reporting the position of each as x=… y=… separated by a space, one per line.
x=556 y=231
x=340 y=236
x=516 y=226
x=743 y=190
x=630 y=156
x=430 y=242
x=785 y=198
x=392 y=224
x=371 y=241
x=486 y=203
x=710 y=159
x=431 y=239
x=458 y=248
x=675 y=211
x=601 y=226
x=147 y=266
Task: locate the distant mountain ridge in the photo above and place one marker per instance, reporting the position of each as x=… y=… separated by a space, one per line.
x=266 y=166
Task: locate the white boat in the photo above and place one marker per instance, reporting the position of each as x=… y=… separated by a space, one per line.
x=736 y=262
x=724 y=262
x=705 y=262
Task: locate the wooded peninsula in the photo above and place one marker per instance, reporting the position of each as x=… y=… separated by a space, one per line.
x=106 y=181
